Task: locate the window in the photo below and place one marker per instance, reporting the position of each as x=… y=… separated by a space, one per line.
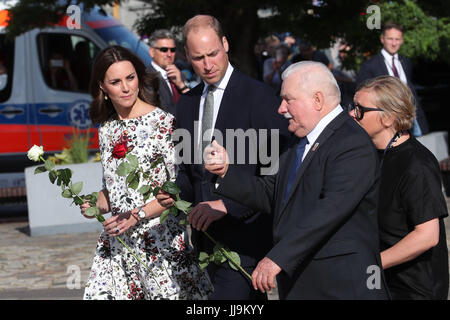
x=66 y=61
x=6 y=67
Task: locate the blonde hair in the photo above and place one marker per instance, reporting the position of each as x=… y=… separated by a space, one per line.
x=394 y=97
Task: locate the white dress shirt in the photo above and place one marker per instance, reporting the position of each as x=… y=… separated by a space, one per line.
x=218 y=94
x=315 y=133
x=163 y=74
x=388 y=61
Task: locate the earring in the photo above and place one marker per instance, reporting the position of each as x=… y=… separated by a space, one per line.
x=106 y=97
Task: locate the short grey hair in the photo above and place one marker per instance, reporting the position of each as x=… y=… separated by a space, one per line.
x=315 y=76
x=158 y=35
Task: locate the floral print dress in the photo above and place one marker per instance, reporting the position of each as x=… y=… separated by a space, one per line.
x=115 y=273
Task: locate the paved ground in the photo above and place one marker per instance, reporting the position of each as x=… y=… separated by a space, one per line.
x=49 y=267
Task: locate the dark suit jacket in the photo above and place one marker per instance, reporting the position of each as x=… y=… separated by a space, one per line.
x=376 y=67
x=246 y=104
x=326 y=233
x=165 y=95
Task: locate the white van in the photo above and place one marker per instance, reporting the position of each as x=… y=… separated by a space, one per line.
x=44 y=79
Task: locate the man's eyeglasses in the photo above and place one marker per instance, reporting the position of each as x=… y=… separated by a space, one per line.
x=164 y=49
x=358 y=110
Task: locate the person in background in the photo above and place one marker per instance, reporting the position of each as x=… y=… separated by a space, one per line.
x=389 y=62
x=171 y=84
x=411 y=205
x=274 y=67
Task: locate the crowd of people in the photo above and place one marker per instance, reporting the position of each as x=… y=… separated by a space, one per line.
x=354 y=192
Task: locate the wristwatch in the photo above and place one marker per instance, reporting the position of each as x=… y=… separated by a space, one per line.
x=141 y=213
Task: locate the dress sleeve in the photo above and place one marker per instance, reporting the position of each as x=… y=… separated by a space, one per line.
x=101 y=142
x=422 y=194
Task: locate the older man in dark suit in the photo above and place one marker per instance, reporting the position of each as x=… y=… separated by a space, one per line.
x=225 y=100
x=389 y=62
x=171 y=84
x=323 y=199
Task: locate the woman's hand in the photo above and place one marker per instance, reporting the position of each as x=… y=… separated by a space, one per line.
x=119 y=224
x=102 y=204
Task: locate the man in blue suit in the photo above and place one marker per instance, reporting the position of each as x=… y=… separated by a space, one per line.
x=389 y=62
x=323 y=199
x=225 y=100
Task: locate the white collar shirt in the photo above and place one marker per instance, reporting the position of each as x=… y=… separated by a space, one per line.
x=315 y=133
x=388 y=61
x=163 y=74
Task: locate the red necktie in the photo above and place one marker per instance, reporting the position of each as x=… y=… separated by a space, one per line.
x=175 y=94
x=394 y=69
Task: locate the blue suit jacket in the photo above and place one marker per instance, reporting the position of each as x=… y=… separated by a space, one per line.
x=376 y=67
x=246 y=104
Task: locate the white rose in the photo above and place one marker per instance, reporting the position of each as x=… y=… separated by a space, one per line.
x=35 y=152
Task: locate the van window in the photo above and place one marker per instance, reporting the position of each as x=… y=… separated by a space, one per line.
x=6 y=67
x=66 y=60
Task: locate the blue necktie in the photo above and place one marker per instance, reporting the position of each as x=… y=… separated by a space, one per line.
x=295 y=165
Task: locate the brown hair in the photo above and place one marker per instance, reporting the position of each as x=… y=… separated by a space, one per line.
x=394 y=97
x=391 y=25
x=100 y=109
x=202 y=21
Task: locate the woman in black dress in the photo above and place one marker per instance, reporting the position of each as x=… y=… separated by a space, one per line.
x=411 y=208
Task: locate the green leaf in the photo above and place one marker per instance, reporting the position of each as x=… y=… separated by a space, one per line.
x=203 y=260
x=92 y=211
x=49 y=165
x=144 y=189
x=130 y=178
x=164 y=215
x=183 y=222
x=183 y=205
x=156 y=162
x=52 y=176
x=39 y=169
x=134 y=163
x=156 y=191
x=76 y=187
x=171 y=188
x=78 y=201
x=135 y=183
x=100 y=218
x=67 y=193
x=235 y=258
x=218 y=256
x=124 y=169
x=66 y=175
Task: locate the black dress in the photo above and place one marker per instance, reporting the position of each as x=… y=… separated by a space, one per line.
x=411 y=194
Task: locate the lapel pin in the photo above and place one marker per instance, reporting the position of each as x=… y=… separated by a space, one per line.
x=316 y=145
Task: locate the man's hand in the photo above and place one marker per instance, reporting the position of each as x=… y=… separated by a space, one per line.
x=216 y=159
x=174 y=75
x=164 y=199
x=263 y=277
x=205 y=213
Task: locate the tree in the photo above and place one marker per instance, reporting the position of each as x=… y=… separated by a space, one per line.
x=321 y=22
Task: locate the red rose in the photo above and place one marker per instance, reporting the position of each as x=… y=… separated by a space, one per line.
x=163 y=130
x=120 y=150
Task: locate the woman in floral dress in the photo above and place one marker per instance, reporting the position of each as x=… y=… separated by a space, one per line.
x=124 y=104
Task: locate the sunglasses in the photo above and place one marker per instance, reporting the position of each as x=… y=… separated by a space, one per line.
x=359 y=110
x=165 y=49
